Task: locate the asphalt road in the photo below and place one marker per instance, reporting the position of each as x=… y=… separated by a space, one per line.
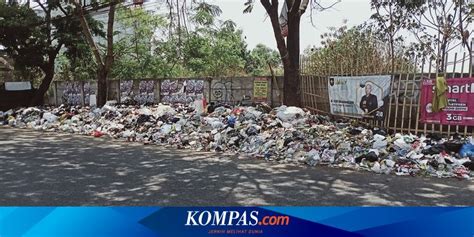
x=68 y=170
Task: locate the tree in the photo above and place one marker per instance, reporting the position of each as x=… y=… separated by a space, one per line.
x=258 y=59
x=72 y=65
x=134 y=49
x=443 y=25
x=289 y=50
x=357 y=50
x=227 y=51
x=151 y=46
x=215 y=51
x=5 y=64
x=200 y=44
x=104 y=62
x=390 y=18
x=438 y=26
x=35 y=40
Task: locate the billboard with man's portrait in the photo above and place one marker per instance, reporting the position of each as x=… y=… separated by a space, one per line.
x=359 y=96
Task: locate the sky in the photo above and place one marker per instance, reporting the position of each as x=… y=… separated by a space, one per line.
x=257 y=27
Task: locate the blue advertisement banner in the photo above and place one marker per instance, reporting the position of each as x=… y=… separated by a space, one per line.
x=237 y=221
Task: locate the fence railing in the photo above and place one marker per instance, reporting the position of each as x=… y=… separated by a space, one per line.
x=403 y=110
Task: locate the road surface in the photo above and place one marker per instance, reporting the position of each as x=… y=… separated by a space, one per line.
x=39 y=168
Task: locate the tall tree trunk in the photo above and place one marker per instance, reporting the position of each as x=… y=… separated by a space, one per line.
x=292 y=95
x=48 y=70
x=289 y=51
x=103 y=65
x=102 y=74
x=47 y=67
x=38 y=97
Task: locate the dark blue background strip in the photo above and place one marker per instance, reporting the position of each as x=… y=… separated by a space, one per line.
x=170 y=221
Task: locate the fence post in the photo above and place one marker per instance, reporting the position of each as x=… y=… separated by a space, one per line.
x=119 y=95
x=270 y=85
x=82 y=94
x=453 y=75
x=445 y=74
x=209 y=89
x=463 y=75
x=158 y=91
x=56 y=93
x=471 y=69
x=419 y=95
x=404 y=103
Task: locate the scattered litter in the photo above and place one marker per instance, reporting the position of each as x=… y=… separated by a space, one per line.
x=283 y=134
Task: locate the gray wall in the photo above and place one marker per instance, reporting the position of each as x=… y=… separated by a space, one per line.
x=236 y=90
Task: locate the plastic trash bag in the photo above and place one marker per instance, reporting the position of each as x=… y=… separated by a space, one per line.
x=467 y=150
x=286 y=114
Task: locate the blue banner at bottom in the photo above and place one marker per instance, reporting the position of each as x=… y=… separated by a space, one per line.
x=237 y=221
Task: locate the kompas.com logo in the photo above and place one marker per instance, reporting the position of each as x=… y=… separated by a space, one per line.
x=233 y=218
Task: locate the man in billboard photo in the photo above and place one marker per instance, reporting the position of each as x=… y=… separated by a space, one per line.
x=369 y=102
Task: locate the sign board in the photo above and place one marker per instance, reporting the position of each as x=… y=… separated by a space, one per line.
x=460 y=109
x=260 y=89
x=359 y=96
x=18 y=86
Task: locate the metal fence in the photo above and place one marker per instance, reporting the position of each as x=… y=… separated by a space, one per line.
x=403 y=112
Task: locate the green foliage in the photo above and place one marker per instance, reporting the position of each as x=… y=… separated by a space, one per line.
x=215 y=51
x=357 y=50
x=80 y=67
x=134 y=48
x=33 y=40
x=22 y=35
x=147 y=44
x=259 y=58
x=206 y=13
x=208 y=47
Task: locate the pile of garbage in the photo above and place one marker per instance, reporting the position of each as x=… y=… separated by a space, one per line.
x=285 y=134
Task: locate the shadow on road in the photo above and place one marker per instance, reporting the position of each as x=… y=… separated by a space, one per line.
x=61 y=169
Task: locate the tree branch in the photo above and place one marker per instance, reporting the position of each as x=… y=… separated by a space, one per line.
x=41 y=5
x=109 y=58
x=266 y=4
x=272 y=11
x=87 y=33
x=321 y=8
x=62 y=9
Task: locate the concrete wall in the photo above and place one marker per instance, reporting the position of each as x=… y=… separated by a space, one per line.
x=236 y=90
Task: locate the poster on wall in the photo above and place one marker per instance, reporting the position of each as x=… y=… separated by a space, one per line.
x=359 y=96
x=126 y=91
x=260 y=89
x=72 y=94
x=181 y=91
x=460 y=108
x=88 y=94
x=146 y=92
